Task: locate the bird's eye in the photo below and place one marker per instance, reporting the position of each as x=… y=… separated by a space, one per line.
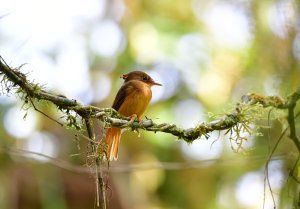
x=145 y=78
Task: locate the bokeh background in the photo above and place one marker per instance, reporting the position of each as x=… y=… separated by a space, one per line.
x=206 y=53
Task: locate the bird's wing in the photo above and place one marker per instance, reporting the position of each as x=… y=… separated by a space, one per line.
x=121 y=95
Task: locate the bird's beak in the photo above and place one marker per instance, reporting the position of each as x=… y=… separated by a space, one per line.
x=124 y=76
x=156 y=84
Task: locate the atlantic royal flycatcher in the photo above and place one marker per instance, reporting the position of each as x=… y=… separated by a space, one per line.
x=131 y=101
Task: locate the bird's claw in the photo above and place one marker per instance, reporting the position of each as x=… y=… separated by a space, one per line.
x=130 y=122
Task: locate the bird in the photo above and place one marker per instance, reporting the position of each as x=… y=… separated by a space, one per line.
x=131 y=101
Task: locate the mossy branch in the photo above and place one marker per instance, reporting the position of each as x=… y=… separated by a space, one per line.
x=241 y=117
x=277 y=102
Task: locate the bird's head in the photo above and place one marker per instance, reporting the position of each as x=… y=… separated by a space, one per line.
x=140 y=76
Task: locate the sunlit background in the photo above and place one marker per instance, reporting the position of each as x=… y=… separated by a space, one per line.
x=207 y=54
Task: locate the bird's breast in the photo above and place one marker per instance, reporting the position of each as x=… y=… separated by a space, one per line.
x=137 y=99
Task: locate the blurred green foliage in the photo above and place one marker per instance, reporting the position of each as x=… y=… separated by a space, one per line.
x=207 y=54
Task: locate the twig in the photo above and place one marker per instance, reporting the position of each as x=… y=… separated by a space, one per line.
x=41 y=112
x=291 y=121
x=63 y=164
x=291 y=173
x=98 y=172
x=266 y=179
x=296 y=162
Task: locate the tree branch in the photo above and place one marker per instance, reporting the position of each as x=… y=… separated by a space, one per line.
x=242 y=116
x=277 y=102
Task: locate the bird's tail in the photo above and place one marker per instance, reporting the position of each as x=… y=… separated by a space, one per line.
x=113 y=136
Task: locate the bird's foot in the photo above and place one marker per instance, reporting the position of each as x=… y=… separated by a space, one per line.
x=130 y=122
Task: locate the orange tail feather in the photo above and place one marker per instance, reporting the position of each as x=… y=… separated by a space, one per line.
x=113 y=136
